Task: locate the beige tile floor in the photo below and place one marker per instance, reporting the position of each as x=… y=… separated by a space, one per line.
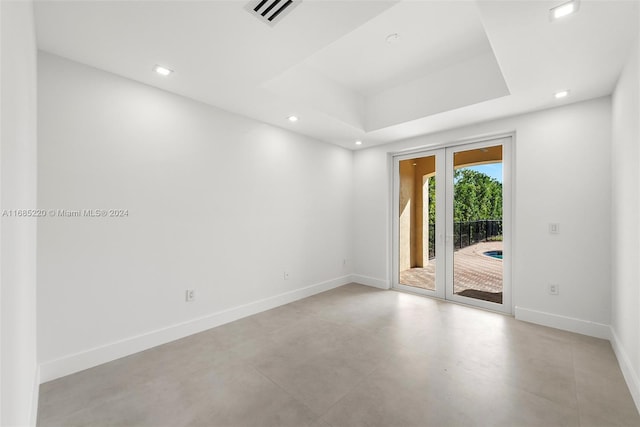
x=355 y=356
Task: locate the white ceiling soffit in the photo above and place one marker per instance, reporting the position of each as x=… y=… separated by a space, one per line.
x=434 y=64
x=454 y=63
x=431 y=36
x=584 y=52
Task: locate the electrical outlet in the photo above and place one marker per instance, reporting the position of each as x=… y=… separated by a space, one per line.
x=190 y=295
x=554 y=228
x=285 y=276
x=554 y=289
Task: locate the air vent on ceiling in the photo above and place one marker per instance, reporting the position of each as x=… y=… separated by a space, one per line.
x=271 y=11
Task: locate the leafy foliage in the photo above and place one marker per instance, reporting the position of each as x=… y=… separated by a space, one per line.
x=477 y=196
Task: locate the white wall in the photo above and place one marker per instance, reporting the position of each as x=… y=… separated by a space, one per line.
x=625 y=232
x=562 y=174
x=18 y=174
x=217 y=202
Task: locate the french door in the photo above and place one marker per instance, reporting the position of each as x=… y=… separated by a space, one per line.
x=452 y=223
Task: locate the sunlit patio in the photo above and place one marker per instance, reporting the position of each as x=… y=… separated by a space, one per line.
x=476 y=275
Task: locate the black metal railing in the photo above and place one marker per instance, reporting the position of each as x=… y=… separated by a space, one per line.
x=432 y=241
x=468 y=233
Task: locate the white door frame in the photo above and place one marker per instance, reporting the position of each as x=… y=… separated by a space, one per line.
x=440 y=222
x=444 y=219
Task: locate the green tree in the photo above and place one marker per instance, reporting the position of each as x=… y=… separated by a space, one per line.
x=432 y=200
x=477 y=196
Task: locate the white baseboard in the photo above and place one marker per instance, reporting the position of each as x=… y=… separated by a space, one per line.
x=628 y=371
x=370 y=281
x=35 y=396
x=565 y=323
x=98 y=355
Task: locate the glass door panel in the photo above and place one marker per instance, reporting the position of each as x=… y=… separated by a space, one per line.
x=420 y=226
x=475 y=244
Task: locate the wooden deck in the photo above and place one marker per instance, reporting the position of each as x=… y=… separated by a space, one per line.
x=475 y=275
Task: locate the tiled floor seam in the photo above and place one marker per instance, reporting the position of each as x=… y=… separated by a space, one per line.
x=575 y=384
x=362 y=380
x=90 y=406
x=265 y=376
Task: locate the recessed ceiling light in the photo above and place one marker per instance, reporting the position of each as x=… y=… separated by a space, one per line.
x=565 y=9
x=163 y=71
x=358 y=142
x=293 y=119
x=392 y=38
x=562 y=94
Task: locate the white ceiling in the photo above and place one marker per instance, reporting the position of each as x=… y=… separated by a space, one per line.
x=455 y=63
x=432 y=35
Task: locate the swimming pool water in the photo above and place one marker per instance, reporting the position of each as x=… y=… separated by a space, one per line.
x=494 y=254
